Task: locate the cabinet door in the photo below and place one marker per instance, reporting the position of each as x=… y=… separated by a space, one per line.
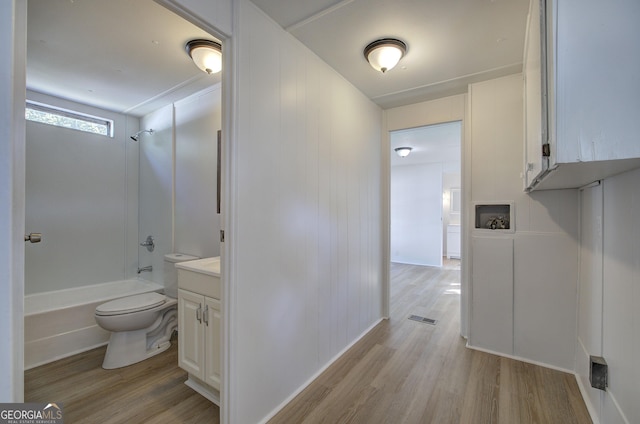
x=190 y=333
x=535 y=116
x=212 y=340
x=492 y=294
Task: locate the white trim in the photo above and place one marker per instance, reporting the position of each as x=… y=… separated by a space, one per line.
x=13 y=34
x=521 y=359
x=593 y=413
x=320 y=371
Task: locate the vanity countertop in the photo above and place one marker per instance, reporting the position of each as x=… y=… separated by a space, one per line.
x=209 y=266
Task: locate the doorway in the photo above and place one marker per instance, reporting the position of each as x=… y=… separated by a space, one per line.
x=425 y=194
x=130 y=175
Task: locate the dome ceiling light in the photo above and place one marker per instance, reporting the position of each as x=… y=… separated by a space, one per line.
x=385 y=53
x=206 y=54
x=403 y=152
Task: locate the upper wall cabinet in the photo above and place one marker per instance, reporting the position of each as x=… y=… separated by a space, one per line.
x=582 y=92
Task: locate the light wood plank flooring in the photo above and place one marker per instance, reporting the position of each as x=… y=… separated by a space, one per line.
x=151 y=391
x=411 y=372
x=402 y=372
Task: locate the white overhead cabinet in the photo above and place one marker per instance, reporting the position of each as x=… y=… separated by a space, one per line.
x=582 y=92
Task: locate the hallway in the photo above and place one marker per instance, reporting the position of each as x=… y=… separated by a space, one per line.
x=402 y=372
x=412 y=372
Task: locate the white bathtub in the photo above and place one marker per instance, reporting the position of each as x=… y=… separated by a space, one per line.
x=60 y=323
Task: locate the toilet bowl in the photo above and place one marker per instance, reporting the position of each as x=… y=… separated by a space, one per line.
x=141 y=325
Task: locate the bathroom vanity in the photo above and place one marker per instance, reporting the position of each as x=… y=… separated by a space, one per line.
x=199 y=325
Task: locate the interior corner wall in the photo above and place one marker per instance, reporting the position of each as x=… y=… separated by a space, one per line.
x=178 y=179
x=609 y=317
x=156 y=189
x=306 y=225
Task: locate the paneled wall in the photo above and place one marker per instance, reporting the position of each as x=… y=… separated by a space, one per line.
x=526 y=276
x=306 y=229
x=156 y=189
x=178 y=179
x=81 y=194
x=609 y=317
x=197 y=224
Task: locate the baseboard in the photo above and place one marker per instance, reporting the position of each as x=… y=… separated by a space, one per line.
x=317 y=374
x=521 y=359
x=587 y=400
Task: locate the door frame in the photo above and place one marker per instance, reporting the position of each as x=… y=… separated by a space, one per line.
x=439 y=111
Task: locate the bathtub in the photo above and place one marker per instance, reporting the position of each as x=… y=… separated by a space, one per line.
x=60 y=323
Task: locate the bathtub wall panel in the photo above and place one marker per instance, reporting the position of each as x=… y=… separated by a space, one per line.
x=156 y=190
x=79 y=190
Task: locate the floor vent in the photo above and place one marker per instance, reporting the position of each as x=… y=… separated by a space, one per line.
x=423 y=319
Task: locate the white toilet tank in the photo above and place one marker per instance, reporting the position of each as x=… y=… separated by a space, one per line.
x=170 y=273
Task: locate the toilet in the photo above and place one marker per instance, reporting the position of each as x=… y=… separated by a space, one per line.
x=141 y=325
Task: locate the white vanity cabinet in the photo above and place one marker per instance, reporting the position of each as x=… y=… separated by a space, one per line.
x=199 y=325
x=453 y=241
x=582 y=96
x=199 y=336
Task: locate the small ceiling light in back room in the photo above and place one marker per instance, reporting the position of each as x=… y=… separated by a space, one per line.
x=403 y=152
x=385 y=53
x=206 y=54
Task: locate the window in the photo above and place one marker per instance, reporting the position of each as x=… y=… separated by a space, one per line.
x=50 y=115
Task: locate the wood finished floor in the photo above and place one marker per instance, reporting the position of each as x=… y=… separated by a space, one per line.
x=415 y=373
x=152 y=391
x=402 y=372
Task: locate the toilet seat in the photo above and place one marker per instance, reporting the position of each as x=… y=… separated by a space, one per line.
x=131 y=304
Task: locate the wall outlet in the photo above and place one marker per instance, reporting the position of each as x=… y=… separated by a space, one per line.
x=598 y=372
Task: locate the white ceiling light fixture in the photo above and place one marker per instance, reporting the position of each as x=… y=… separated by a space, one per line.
x=385 y=53
x=403 y=152
x=206 y=54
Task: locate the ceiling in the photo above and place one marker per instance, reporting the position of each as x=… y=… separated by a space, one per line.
x=128 y=55
x=440 y=143
x=451 y=43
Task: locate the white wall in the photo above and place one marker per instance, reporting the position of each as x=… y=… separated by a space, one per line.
x=306 y=225
x=416 y=214
x=156 y=189
x=184 y=169
x=13 y=30
x=81 y=194
x=197 y=224
x=539 y=258
x=609 y=318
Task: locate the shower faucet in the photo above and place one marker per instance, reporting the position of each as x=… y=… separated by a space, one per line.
x=145 y=269
x=148 y=243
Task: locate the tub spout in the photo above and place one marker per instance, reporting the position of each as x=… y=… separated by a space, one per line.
x=145 y=269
